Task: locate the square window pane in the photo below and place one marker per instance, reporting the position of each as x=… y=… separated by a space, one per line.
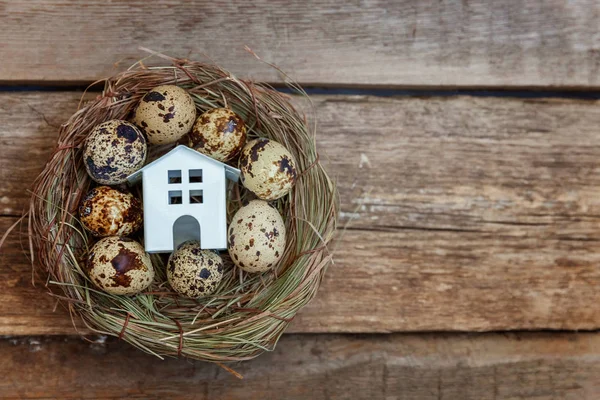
x=175 y=176
x=195 y=175
x=175 y=197
x=196 y=197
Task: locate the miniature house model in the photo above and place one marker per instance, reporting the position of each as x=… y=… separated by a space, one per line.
x=184 y=199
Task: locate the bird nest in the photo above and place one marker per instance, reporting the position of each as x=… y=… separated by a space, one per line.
x=248 y=312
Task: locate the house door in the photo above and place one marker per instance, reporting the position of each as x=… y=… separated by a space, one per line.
x=185 y=228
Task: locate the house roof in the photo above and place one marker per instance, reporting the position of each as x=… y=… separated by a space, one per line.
x=231 y=173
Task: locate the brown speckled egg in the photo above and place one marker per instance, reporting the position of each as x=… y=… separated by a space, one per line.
x=119 y=265
x=256 y=237
x=165 y=114
x=114 y=150
x=267 y=169
x=105 y=211
x=218 y=133
x=193 y=272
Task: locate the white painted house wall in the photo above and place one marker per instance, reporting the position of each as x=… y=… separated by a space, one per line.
x=160 y=216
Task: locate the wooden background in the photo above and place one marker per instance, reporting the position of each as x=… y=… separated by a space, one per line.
x=469 y=213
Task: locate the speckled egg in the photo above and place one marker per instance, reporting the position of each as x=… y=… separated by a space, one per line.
x=218 y=133
x=114 y=150
x=256 y=237
x=193 y=272
x=165 y=114
x=267 y=169
x=105 y=211
x=119 y=265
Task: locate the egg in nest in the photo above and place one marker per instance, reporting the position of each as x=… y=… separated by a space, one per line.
x=165 y=114
x=119 y=265
x=114 y=150
x=219 y=133
x=267 y=169
x=256 y=237
x=193 y=272
x=105 y=211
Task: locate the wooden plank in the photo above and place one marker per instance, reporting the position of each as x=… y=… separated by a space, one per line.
x=492 y=366
x=30 y=123
x=476 y=43
x=462 y=213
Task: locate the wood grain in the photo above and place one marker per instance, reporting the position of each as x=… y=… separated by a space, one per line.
x=465 y=367
x=461 y=213
x=476 y=43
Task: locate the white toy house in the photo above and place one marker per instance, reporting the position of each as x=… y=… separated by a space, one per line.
x=184 y=199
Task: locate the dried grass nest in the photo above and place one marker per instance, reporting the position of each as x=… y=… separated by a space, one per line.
x=249 y=312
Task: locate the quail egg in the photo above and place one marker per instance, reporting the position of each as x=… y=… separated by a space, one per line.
x=267 y=169
x=193 y=272
x=165 y=114
x=114 y=150
x=256 y=237
x=105 y=211
x=218 y=133
x=119 y=265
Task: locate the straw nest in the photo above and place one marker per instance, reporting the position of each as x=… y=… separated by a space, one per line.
x=249 y=312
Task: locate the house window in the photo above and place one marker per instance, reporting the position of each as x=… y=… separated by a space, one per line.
x=175 y=197
x=175 y=176
x=196 y=197
x=195 y=175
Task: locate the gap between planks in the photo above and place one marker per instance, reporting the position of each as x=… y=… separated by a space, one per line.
x=584 y=93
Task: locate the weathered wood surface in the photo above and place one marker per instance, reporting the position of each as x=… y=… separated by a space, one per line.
x=465 y=367
x=462 y=213
x=476 y=43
